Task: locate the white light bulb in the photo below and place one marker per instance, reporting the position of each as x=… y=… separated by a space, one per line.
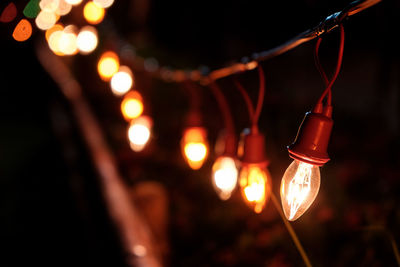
x=224 y=176
x=299 y=187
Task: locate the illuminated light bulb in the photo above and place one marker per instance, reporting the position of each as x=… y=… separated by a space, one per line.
x=194 y=146
x=139 y=132
x=45 y=20
x=108 y=65
x=55 y=28
x=255 y=184
x=67 y=43
x=132 y=105
x=122 y=81
x=22 y=31
x=49 y=5
x=54 y=42
x=104 y=3
x=254 y=178
x=299 y=187
x=224 y=176
x=73 y=2
x=63 y=8
x=87 y=40
x=93 y=13
x=301 y=181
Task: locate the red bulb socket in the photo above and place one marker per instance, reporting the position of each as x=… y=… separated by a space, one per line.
x=312 y=139
x=254 y=149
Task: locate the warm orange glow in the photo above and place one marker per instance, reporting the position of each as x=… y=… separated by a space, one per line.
x=132 y=105
x=255 y=183
x=299 y=187
x=224 y=176
x=45 y=20
x=22 y=31
x=93 y=13
x=122 y=81
x=139 y=132
x=87 y=40
x=49 y=32
x=194 y=146
x=54 y=41
x=67 y=43
x=104 y=3
x=108 y=65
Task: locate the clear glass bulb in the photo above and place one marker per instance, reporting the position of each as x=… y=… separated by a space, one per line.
x=255 y=184
x=299 y=187
x=224 y=176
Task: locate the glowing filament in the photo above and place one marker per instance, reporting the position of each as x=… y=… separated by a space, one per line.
x=255 y=184
x=139 y=133
x=299 y=187
x=194 y=146
x=224 y=176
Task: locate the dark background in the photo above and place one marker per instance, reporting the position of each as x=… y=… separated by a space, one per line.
x=52 y=212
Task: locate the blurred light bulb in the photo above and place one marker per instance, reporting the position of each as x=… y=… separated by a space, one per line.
x=194 y=146
x=93 y=13
x=299 y=187
x=104 y=3
x=255 y=184
x=108 y=65
x=73 y=2
x=54 y=41
x=45 y=20
x=49 y=5
x=67 y=43
x=139 y=132
x=224 y=176
x=87 y=39
x=132 y=105
x=63 y=8
x=122 y=81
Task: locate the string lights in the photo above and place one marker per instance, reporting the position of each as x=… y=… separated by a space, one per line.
x=301 y=181
x=254 y=178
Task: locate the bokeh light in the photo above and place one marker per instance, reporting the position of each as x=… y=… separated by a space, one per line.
x=49 y=32
x=49 y=5
x=9 y=13
x=122 y=81
x=87 y=40
x=22 y=31
x=73 y=2
x=139 y=132
x=104 y=3
x=45 y=20
x=194 y=146
x=108 y=65
x=132 y=105
x=63 y=8
x=93 y=13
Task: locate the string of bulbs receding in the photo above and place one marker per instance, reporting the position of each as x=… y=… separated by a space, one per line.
x=243 y=162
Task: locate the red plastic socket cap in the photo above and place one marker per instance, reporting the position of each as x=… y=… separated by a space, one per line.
x=254 y=148
x=312 y=139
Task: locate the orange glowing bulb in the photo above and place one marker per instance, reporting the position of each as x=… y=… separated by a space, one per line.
x=299 y=188
x=255 y=184
x=224 y=176
x=108 y=65
x=132 y=105
x=139 y=132
x=93 y=13
x=194 y=146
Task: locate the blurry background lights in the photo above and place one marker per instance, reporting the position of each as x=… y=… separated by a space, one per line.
x=139 y=132
x=45 y=20
x=108 y=65
x=87 y=39
x=49 y=5
x=63 y=8
x=224 y=176
x=194 y=146
x=132 y=105
x=104 y=3
x=122 y=81
x=73 y=2
x=93 y=13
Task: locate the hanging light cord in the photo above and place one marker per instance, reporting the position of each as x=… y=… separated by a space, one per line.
x=329 y=83
x=254 y=114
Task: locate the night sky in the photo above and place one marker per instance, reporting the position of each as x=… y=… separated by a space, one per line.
x=52 y=209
